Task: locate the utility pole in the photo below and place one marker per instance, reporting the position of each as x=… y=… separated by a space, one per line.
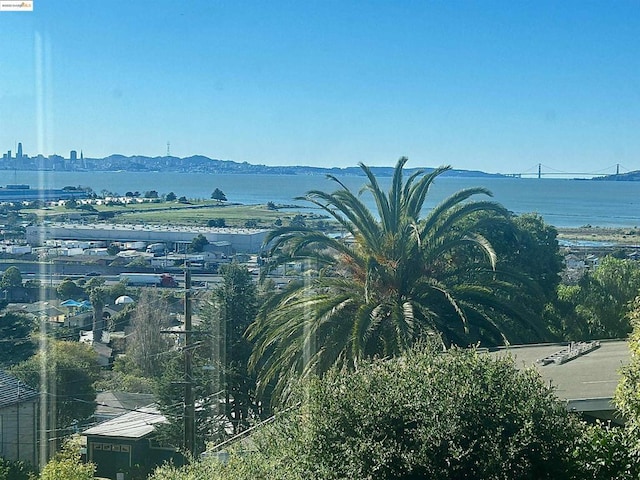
x=189 y=408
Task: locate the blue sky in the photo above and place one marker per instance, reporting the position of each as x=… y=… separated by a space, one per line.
x=494 y=86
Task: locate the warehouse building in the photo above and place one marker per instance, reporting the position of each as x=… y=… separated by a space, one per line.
x=242 y=240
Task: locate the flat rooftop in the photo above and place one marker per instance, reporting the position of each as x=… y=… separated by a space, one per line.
x=151 y=228
x=588 y=382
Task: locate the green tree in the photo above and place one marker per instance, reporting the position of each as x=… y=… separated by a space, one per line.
x=530 y=246
x=64 y=372
x=606 y=452
x=170 y=390
x=298 y=221
x=11 y=278
x=151 y=194
x=217 y=222
x=233 y=308
x=198 y=243
x=428 y=415
x=613 y=452
x=67 y=465
x=115 y=290
x=402 y=279
x=71 y=204
x=251 y=223
x=69 y=289
x=113 y=249
x=602 y=300
x=171 y=197
x=457 y=415
x=562 y=317
x=16 y=470
x=527 y=252
x=15 y=334
x=627 y=397
x=223 y=388
x=147 y=343
x=219 y=195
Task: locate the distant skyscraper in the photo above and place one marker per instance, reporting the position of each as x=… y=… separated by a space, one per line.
x=19 y=154
x=73 y=156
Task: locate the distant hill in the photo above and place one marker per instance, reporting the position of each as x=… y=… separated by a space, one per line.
x=622 y=177
x=202 y=164
x=193 y=164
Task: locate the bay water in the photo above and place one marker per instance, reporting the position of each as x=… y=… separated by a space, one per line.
x=561 y=202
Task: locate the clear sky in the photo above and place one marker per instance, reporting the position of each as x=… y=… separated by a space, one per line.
x=494 y=86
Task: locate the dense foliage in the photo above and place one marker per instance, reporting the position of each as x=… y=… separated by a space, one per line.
x=403 y=277
x=64 y=372
x=223 y=388
x=628 y=392
x=598 y=306
x=67 y=465
x=11 y=278
x=16 y=470
x=16 y=342
x=423 y=415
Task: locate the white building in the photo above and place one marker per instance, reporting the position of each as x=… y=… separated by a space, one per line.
x=244 y=240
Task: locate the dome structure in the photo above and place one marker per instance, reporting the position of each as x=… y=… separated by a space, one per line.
x=124 y=299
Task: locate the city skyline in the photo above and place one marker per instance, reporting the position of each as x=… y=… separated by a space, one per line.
x=490 y=86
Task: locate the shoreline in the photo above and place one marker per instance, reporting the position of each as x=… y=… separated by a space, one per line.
x=617 y=235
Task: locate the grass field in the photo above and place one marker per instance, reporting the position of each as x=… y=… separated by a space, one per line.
x=174 y=213
x=235 y=215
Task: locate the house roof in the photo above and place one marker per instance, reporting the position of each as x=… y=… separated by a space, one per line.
x=14 y=391
x=133 y=425
x=112 y=404
x=588 y=382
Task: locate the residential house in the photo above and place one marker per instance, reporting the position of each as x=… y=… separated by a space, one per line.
x=126 y=444
x=18 y=420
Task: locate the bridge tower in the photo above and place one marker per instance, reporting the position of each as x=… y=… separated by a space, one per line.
x=539 y=170
x=617 y=169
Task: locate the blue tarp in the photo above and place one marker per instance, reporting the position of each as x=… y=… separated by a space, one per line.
x=70 y=303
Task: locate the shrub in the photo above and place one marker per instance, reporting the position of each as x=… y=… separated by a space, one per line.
x=425 y=415
x=15 y=470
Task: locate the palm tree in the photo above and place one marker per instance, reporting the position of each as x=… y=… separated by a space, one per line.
x=399 y=279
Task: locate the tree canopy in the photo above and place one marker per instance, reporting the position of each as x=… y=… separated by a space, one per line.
x=219 y=195
x=198 y=243
x=223 y=387
x=402 y=277
x=11 y=278
x=599 y=305
x=64 y=372
x=16 y=341
x=457 y=415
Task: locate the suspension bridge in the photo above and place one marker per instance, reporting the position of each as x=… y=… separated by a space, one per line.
x=540 y=170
